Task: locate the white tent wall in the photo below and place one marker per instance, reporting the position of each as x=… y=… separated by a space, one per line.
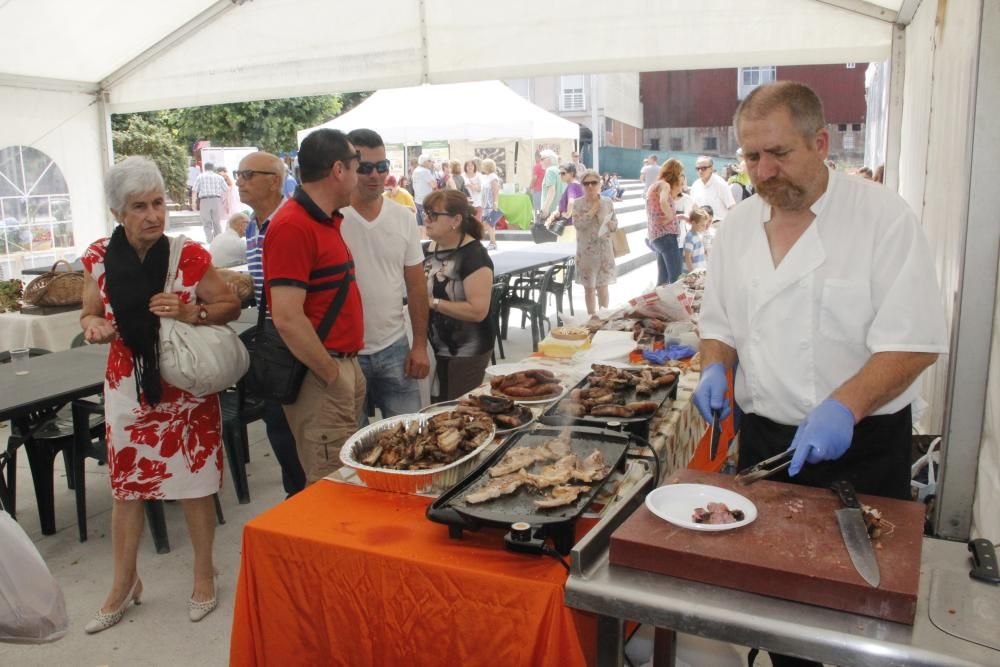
x=934 y=177
x=64 y=126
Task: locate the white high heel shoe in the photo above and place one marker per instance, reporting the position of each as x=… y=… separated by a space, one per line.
x=103 y=621
x=199 y=610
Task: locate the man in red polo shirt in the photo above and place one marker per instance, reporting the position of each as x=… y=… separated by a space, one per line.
x=308 y=276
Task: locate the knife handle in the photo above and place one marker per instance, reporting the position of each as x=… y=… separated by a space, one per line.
x=984 y=561
x=845 y=490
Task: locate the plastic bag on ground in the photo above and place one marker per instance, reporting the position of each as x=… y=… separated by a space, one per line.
x=32 y=606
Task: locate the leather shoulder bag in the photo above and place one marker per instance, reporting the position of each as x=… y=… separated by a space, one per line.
x=200 y=359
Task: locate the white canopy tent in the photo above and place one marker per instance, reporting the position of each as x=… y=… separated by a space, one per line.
x=65 y=66
x=475 y=111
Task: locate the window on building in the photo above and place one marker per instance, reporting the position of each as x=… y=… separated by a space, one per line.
x=571 y=96
x=676 y=144
x=609 y=124
x=842 y=127
x=855 y=127
x=751 y=77
x=654 y=144
x=850 y=65
x=35 y=214
x=849 y=141
x=710 y=144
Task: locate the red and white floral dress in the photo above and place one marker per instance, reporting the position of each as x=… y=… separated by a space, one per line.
x=172 y=450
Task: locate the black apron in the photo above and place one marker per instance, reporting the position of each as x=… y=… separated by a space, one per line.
x=877 y=462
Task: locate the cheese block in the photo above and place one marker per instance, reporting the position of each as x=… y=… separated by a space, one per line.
x=555 y=347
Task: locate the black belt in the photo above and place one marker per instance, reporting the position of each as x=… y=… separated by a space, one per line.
x=341 y=355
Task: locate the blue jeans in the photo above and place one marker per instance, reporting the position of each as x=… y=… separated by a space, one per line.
x=279 y=434
x=388 y=387
x=668 y=259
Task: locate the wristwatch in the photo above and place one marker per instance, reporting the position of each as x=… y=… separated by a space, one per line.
x=434 y=303
x=202 y=313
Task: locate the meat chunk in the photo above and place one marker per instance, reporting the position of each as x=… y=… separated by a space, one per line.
x=716 y=513
x=562 y=495
x=500 y=486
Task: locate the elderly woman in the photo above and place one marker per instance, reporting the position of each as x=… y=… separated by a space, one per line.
x=662 y=222
x=459 y=283
x=594 y=219
x=163 y=443
x=489 y=183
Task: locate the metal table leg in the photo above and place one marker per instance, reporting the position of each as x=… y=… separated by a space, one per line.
x=610 y=641
x=664 y=648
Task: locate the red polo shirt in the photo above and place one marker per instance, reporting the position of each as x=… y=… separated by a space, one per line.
x=303 y=248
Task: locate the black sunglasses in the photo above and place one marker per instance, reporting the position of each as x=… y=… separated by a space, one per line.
x=247 y=174
x=591 y=182
x=365 y=168
x=434 y=215
x=701 y=168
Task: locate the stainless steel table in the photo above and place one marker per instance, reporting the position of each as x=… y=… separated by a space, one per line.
x=618 y=593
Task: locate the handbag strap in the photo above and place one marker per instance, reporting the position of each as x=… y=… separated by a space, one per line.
x=176 y=246
x=332 y=311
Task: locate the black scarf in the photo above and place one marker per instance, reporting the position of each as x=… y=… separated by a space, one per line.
x=130 y=284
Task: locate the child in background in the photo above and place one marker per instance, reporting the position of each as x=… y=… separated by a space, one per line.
x=694 y=248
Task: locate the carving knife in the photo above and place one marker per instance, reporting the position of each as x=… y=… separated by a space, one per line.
x=716 y=433
x=855 y=533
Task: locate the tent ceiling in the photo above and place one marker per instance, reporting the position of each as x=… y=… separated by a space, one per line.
x=213 y=51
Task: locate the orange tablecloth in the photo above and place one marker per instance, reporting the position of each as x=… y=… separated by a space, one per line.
x=343 y=575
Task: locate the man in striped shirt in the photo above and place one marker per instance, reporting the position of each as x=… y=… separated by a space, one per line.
x=260 y=179
x=210 y=191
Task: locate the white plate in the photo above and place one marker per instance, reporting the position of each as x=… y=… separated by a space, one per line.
x=554 y=365
x=675 y=503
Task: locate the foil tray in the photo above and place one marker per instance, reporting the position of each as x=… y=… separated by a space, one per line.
x=431 y=480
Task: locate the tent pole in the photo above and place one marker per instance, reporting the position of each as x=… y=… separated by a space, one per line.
x=595 y=133
x=107 y=142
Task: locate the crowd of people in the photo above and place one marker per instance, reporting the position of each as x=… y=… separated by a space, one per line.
x=344 y=246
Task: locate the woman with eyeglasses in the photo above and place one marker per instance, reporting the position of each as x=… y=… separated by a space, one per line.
x=459 y=283
x=594 y=220
x=573 y=191
x=662 y=225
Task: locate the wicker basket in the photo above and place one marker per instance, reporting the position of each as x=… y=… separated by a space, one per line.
x=62 y=288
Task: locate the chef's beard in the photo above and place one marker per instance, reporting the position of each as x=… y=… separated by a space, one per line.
x=782 y=194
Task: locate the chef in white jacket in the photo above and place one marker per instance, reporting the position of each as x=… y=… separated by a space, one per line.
x=821 y=292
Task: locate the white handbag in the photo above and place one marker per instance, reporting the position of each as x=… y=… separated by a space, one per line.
x=200 y=359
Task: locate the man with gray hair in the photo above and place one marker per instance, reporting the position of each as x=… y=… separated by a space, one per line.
x=710 y=189
x=424 y=183
x=209 y=192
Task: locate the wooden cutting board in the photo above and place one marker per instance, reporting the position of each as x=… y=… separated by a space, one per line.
x=793 y=550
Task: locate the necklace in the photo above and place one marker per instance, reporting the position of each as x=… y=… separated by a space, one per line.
x=453 y=250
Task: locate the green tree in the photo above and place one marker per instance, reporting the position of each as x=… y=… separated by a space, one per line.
x=147 y=135
x=270 y=125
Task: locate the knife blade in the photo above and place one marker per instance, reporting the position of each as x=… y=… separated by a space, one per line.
x=855 y=533
x=716 y=434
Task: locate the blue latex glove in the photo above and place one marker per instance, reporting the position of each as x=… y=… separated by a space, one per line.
x=680 y=351
x=710 y=394
x=824 y=435
x=656 y=356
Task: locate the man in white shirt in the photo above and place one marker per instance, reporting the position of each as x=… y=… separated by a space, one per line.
x=710 y=189
x=389 y=265
x=823 y=288
x=424 y=183
x=230 y=247
x=210 y=189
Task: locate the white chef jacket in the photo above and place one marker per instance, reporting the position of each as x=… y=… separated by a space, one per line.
x=859 y=280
